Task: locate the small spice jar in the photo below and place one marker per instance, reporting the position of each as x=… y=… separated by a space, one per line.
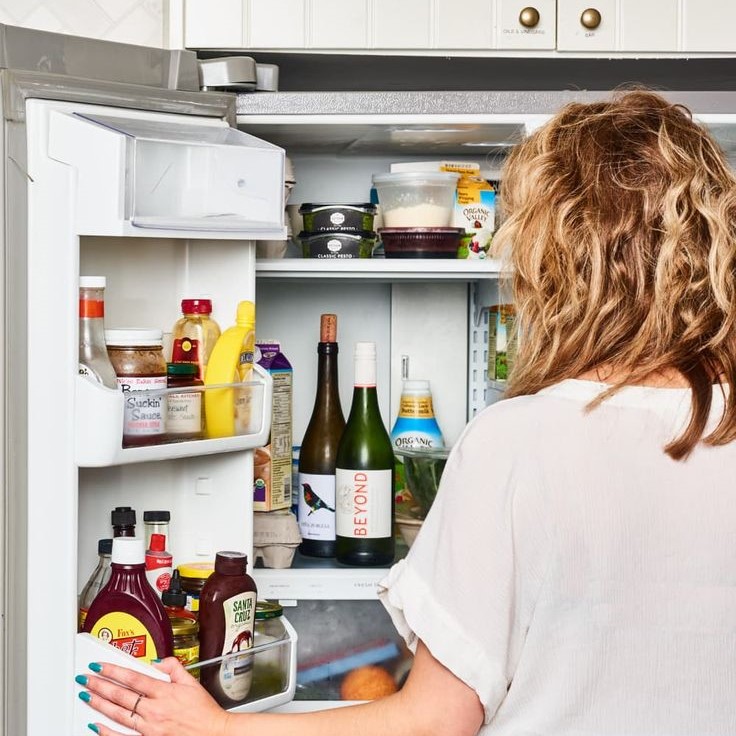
x=186 y=642
x=271 y=667
x=193 y=577
x=184 y=410
x=138 y=359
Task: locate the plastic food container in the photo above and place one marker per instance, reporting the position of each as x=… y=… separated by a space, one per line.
x=347 y=218
x=416 y=199
x=421 y=242
x=338 y=245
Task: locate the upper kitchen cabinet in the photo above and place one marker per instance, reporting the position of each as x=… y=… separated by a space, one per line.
x=469 y=27
x=526 y=25
x=709 y=25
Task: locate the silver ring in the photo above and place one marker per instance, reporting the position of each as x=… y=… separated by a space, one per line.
x=135 y=707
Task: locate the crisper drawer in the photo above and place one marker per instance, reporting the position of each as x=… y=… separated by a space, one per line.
x=346 y=651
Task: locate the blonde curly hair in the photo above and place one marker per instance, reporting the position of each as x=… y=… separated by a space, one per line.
x=621 y=232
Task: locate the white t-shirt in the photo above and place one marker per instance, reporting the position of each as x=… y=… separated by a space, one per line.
x=577 y=578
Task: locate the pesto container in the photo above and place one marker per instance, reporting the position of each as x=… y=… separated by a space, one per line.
x=346 y=218
x=338 y=245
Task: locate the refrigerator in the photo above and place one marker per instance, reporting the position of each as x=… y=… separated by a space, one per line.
x=115 y=164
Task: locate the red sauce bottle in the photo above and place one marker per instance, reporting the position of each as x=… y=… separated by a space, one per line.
x=227 y=607
x=127 y=613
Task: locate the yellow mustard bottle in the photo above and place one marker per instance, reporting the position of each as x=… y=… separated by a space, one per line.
x=228 y=410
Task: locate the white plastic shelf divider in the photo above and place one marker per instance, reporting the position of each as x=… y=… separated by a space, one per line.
x=319 y=584
x=386 y=269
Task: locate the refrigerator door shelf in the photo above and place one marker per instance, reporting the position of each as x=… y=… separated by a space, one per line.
x=266 y=690
x=274 y=672
x=100 y=415
x=165 y=176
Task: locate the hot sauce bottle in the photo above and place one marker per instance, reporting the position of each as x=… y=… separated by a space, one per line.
x=227 y=607
x=127 y=613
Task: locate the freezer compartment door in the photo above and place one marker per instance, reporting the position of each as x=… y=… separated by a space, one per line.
x=141 y=174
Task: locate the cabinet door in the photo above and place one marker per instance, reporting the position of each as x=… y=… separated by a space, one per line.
x=648 y=26
x=464 y=25
x=213 y=25
x=401 y=25
x=339 y=24
x=587 y=25
x=526 y=24
x=271 y=25
x=709 y=25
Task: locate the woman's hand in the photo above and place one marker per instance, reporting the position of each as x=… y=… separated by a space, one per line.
x=152 y=707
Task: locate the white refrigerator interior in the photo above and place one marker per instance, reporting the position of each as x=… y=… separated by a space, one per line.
x=165 y=207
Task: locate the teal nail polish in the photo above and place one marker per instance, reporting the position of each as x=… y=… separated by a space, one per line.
x=84 y=695
x=93 y=727
x=95 y=667
x=81 y=679
x=155 y=661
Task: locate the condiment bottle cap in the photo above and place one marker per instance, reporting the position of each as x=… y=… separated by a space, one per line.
x=174 y=596
x=231 y=563
x=158 y=542
x=134 y=337
x=128 y=551
x=246 y=313
x=181 y=369
x=104 y=547
x=156 y=516
x=196 y=306
x=92 y=282
x=123 y=516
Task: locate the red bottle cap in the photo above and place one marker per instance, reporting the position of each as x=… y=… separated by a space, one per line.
x=196 y=306
x=158 y=542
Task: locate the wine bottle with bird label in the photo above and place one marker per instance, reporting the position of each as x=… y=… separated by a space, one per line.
x=364 y=474
x=318 y=452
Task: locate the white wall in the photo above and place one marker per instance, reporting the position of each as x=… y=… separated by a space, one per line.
x=128 y=21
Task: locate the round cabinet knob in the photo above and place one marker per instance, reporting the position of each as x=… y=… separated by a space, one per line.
x=591 y=18
x=529 y=17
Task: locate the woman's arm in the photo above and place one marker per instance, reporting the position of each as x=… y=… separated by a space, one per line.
x=432 y=701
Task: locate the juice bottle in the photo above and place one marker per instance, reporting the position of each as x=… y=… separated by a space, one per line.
x=195 y=334
x=227 y=410
x=127 y=613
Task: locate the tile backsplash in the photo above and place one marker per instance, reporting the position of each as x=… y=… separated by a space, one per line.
x=128 y=21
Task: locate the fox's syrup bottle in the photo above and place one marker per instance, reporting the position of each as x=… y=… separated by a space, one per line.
x=318 y=452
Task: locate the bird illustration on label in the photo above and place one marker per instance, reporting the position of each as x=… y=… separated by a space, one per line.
x=312 y=500
x=243 y=640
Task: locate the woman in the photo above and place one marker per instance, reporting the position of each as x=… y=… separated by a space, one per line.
x=577 y=573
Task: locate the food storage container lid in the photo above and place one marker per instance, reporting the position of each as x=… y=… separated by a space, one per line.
x=266 y=609
x=197 y=570
x=183 y=626
x=306 y=235
x=134 y=337
x=196 y=306
x=366 y=207
x=416 y=177
x=92 y=282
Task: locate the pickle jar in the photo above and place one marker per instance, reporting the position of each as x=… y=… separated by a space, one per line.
x=271 y=667
x=186 y=641
x=193 y=576
x=137 y=356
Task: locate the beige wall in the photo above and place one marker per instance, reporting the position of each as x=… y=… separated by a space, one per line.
x=128 y=21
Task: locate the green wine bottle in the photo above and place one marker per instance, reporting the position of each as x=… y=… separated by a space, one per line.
x=318 y=452
x=364 y=474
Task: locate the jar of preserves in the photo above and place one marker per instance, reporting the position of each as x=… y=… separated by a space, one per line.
x=193 y=577
x=138 y=359
x=184 y=410
x=186 y=642
x=271 y=667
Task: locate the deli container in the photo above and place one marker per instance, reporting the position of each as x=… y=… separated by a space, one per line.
x=338 y=245
x=421 y=242
x=346 y=218
x=416 y=199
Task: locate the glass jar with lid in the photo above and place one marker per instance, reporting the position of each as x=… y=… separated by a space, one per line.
x=186 y=642
x=271 y=667
x=138 y=359
x=193 y=576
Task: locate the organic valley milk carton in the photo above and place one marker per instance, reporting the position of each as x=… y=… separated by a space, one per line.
x=272 y=463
